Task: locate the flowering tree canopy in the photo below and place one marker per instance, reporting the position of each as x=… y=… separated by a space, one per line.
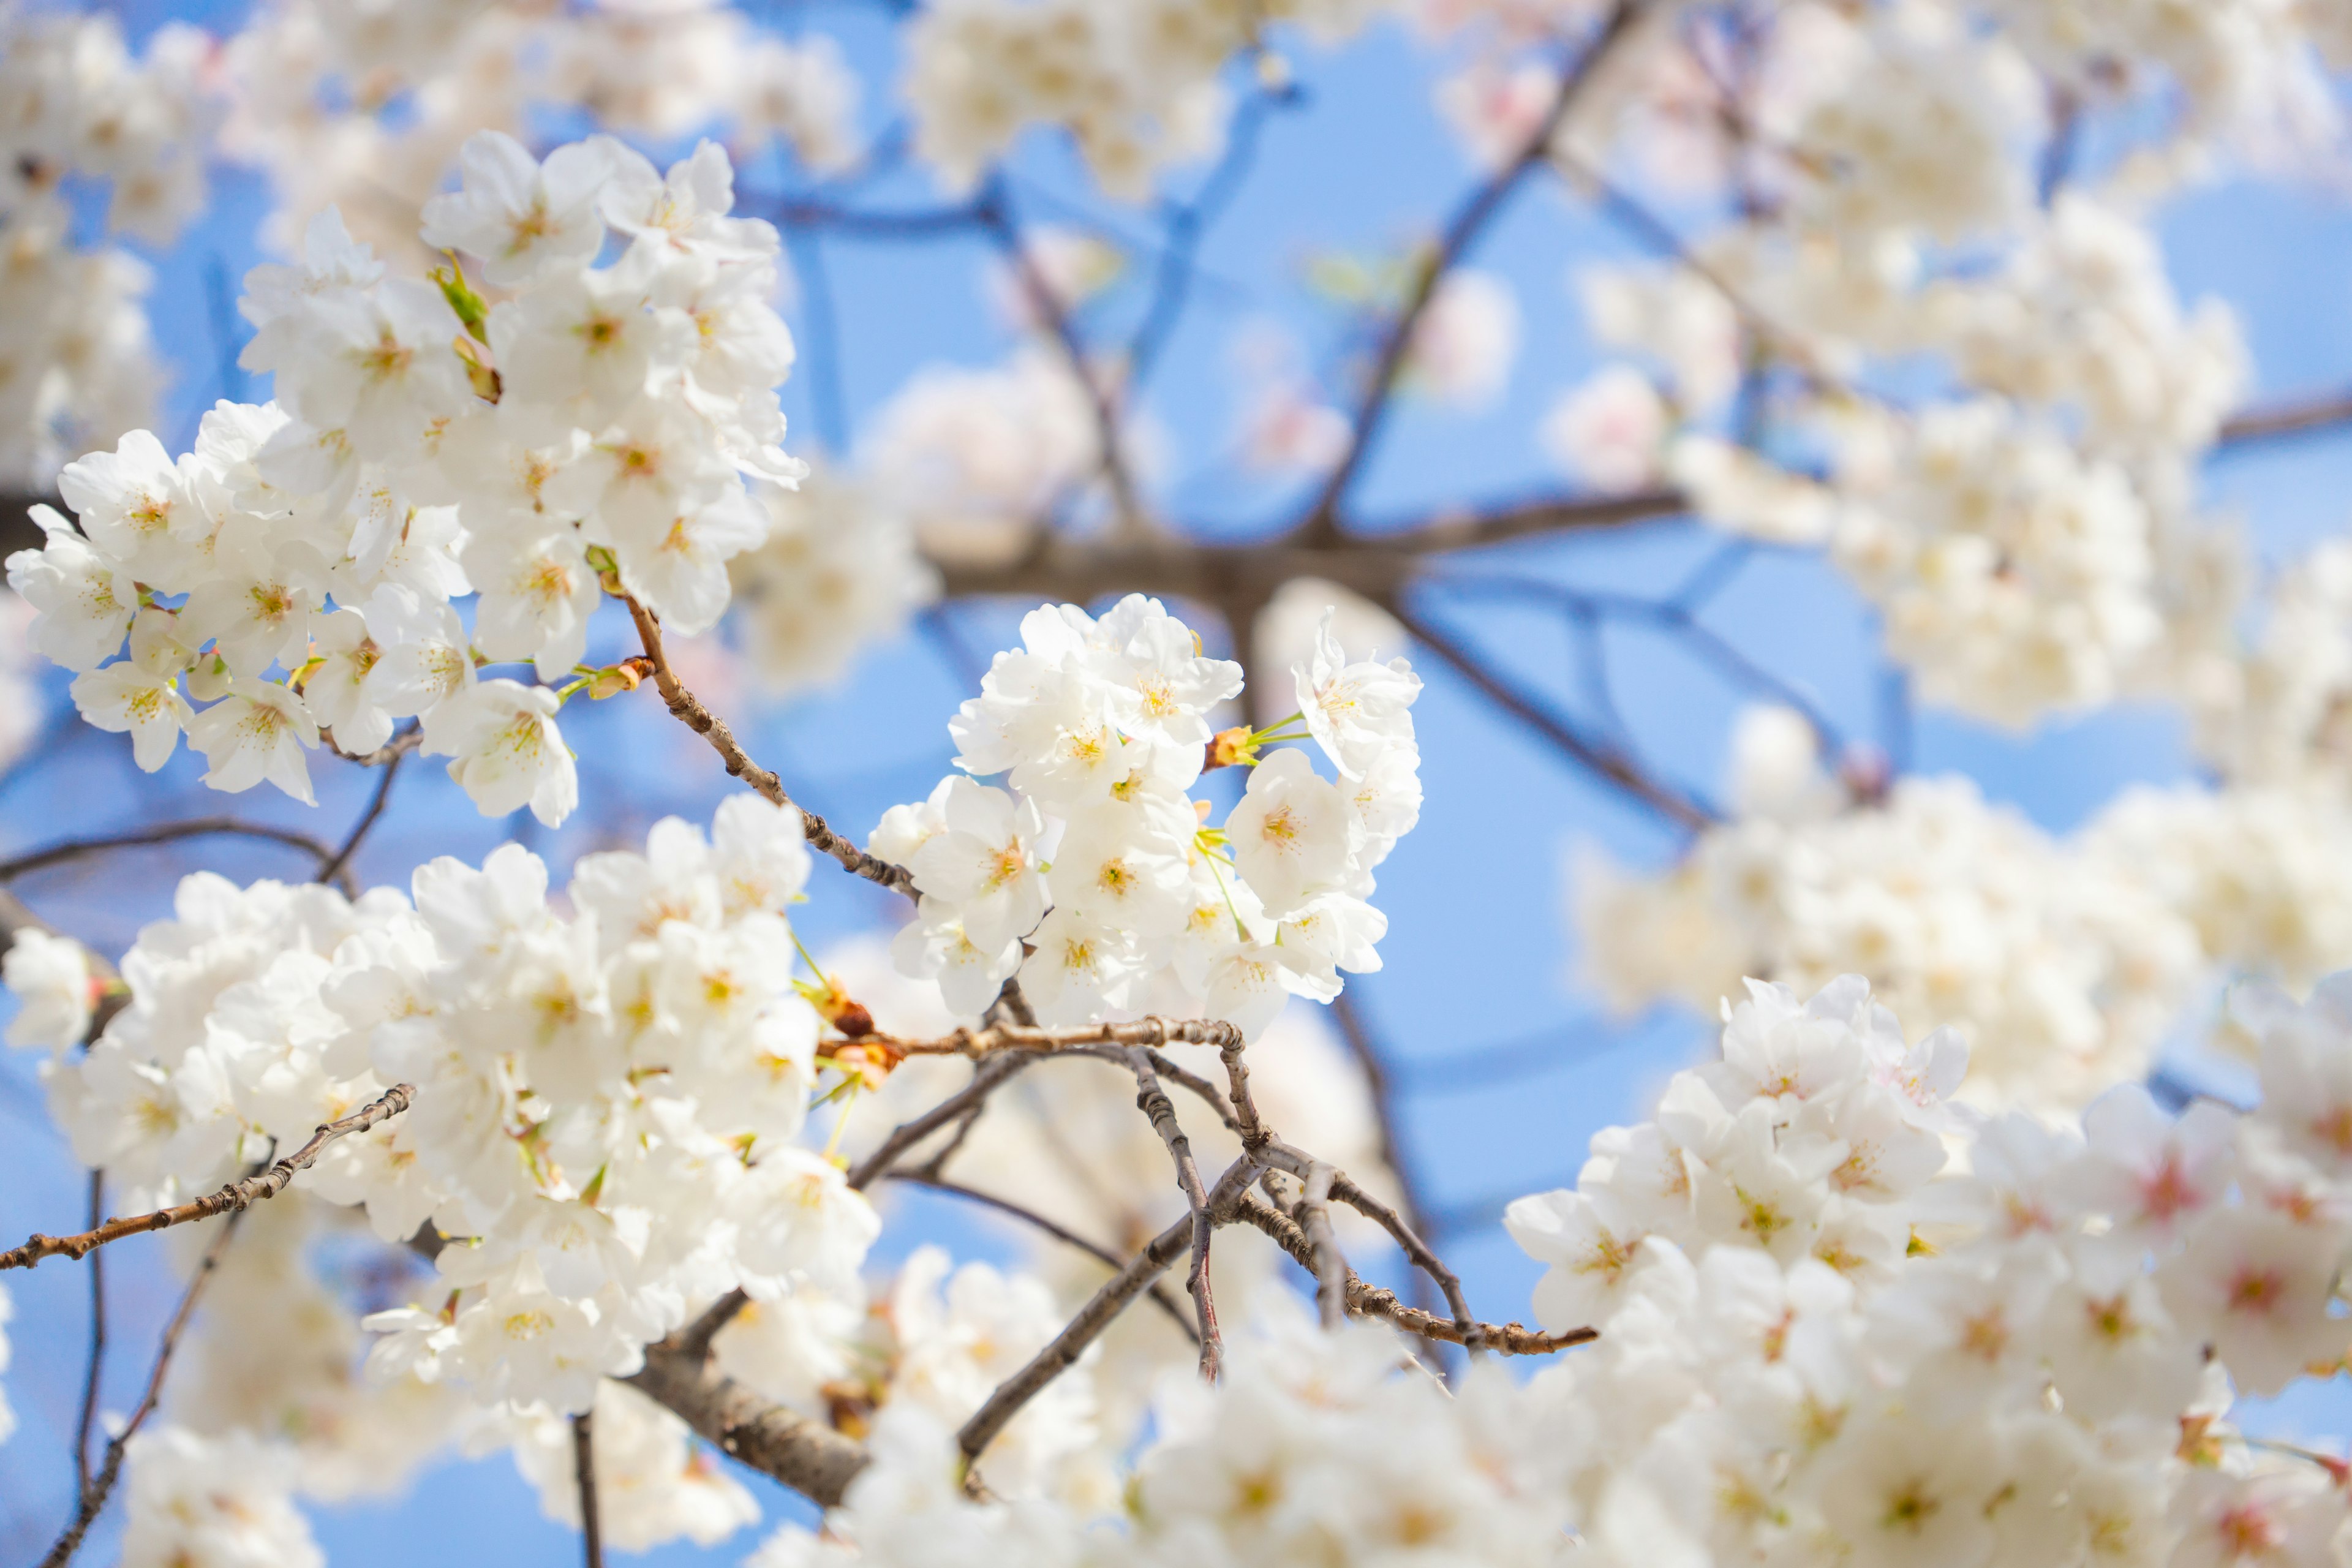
x=1999 y=1224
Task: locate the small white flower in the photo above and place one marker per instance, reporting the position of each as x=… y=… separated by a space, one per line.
x=259 y=730
x=508 y=752
x=127 y=696
x=518 y=216
x=54 y=988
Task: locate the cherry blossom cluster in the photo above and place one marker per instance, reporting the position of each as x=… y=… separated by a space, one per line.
x=365 y=108
x=1090 y=874
x=76 y=366
x=2029 y=528
x=1821 y=1336
x=1807 y=1345
x=597 y=427
x=1135 y=84
x=1331 y=1448
x=2065 y=961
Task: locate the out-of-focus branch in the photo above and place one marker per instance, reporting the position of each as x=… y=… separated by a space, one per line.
x=1031 y=1217
x=170 y=833
x=1373 y=563
x=339 y=866
x=688 y=710
x=1599 y=756
x=93 y=1497
x=237 y=1196
x=1470 y=221
x=96 y=1369
x=2296 y=416
x=1388 y=1121
x=383 y=756
x=583 y=1470
x=996 y=219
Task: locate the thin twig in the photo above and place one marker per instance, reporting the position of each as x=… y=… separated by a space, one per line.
x=93 y=1497
x=338 y=865
x=688 y=710
x=1367 y=1301
x=996 y=219
x=1602 y=759
x=1388 y=1121
x=90 y=1380
x=164 y=833
x=998 y=1410
x=1188 y=225
x=1001 y=1406
x=1330 y=1268
x=235 y=1196
x=1158 y=1293
x=1153 y=1101
x=1468 y=223
x=997 y=1038
x=990 y=1074
x=583 y=1471
x=399 y=746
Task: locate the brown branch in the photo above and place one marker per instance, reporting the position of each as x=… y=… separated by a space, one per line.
x=1029 y=1216
x=997 y=219
x=1597 y=756
x=91 y=1379
x=339 y=866
x=1468 y=223
x=1001 y=1406
x=167 y=833
x=1367 y=1302
x=92 y=1498
x=2295 y=418
x=805 y=1455
x=1282 y=1156
x=383 y=756
x=688 y=710
x=999 y=1409
x=1387 y=1121
x=237 y=1196
x=1153 y=1101
x=985 y=1081
x=583 y=1470
x=998 y=1038
x=1330 y=1269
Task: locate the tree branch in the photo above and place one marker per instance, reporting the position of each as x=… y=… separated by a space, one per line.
x=235 y=1196
x=1029 y=1216
x=168 y=833
x=999 y=1409
x=92 y=1498
x=2294 y=417
x=1597 y=756
x=583 y=1470
x=1468 y=223
x=996 y=219
x=805 y=1455
x=338 y=866
x=1153 y=1101
x=1330 y=1270
x=1366 y=1301
x=92 y=1380
x=688 y=710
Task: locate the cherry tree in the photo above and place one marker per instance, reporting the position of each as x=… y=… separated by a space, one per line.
x=457 y=1144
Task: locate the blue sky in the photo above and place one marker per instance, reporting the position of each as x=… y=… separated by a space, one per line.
x=1478 y=950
